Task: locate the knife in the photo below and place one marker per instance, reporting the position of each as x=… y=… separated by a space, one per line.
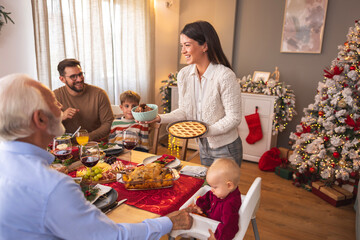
x=118 y=204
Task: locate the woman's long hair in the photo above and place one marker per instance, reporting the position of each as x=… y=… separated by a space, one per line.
x=202 y=31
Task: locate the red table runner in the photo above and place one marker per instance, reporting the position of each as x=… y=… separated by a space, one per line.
x=159 y=201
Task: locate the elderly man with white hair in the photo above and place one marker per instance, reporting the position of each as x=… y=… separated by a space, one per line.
x=38 y=202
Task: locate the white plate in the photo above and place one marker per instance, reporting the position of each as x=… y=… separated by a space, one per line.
x=115 y=147
x=102 y=190
x=173 y=164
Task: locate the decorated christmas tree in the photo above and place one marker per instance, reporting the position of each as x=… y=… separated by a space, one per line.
x=326 y=142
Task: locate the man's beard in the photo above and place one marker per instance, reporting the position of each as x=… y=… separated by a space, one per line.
x=74 y=88
x=56 y=128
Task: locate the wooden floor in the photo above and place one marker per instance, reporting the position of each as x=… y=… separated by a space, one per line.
x=287 y=212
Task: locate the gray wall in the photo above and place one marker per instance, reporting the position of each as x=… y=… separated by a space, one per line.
x=258 y=28
x=213 y=12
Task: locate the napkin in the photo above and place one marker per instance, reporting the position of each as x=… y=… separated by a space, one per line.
x=200 y=226
x=102 y=190
x=194 y=171
x=199 y=229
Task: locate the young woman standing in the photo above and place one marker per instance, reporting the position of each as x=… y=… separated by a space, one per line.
x=209 y=92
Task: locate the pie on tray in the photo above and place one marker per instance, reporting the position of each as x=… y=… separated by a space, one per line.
x=187 y=129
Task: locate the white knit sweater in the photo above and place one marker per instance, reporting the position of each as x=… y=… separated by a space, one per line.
x=221 y=110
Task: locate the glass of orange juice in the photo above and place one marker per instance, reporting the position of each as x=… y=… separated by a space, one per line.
x=82 y=137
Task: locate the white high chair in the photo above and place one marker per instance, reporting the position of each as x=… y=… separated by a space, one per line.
x=247 y=212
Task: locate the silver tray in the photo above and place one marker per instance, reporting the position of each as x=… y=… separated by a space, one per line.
x=174 y=173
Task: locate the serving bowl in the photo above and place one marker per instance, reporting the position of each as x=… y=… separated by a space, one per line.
x=145 y=116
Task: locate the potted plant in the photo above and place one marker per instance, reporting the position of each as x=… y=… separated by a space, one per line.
x=4 y=17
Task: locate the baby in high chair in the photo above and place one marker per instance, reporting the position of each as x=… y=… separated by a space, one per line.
x=223 y=201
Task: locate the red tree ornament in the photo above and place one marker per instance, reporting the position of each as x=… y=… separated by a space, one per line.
x=331 y=73
x=336 y=155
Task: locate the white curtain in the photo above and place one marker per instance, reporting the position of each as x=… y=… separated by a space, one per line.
x=113 y=40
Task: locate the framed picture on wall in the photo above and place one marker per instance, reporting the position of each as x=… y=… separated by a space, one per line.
x=303 y=26
x=261 y=76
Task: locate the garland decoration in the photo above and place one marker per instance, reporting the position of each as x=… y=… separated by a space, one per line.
x=89 y=191
x=4 y=16
x=284 y=108
x=165 y=91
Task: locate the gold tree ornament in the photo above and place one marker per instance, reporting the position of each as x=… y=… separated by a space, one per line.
x=276 y=74
x=4 y=17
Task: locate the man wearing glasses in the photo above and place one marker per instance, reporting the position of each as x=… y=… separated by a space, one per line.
x=83 y=104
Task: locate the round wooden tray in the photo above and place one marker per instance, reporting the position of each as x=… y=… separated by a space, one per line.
x=74 y=166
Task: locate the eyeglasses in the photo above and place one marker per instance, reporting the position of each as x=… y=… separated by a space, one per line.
x=75 y=76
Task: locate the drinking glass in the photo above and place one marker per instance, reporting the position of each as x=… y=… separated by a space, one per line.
x=82 y=137
x=90 y=154
x=62 y=147
x=130 y=139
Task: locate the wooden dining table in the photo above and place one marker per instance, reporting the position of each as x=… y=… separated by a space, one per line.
x=129 y=214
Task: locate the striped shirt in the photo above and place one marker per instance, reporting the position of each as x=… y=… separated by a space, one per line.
x=120 y=124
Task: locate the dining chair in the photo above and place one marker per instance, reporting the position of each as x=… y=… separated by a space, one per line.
x=247 y=212
x=117 y=112
x=155 y=127
x=184 y=148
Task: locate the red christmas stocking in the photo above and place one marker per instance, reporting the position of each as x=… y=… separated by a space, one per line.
x=255 y=132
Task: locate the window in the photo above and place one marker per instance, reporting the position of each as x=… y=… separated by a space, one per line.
x=111 y=38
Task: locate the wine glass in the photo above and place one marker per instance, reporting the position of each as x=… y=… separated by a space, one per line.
x=62 y=147
x=130 y=139
x=82 y=137
x=90 y=154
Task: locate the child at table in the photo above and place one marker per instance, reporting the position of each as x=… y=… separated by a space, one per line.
x=128 y=100
x=223 y=201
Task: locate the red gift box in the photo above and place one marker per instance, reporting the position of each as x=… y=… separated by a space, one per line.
x=334 y=195
x=351 y=185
